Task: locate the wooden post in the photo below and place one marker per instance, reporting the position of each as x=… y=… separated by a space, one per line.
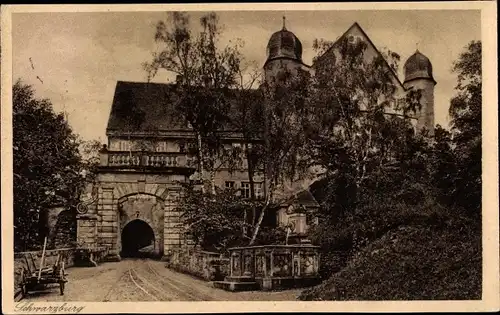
x=57 y=260
x=231 y=265
x=271 y=273
x=43 y=257
x=300 y=258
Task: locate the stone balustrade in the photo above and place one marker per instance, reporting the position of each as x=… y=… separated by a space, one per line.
x=123 y=159
x=137 y=159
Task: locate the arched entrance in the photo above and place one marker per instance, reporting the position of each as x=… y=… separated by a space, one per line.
x=138 y=239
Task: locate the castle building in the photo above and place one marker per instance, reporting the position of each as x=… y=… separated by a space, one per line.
x=284 y=50
x=150 y=152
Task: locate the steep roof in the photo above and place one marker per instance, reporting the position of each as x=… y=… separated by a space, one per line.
x=146 y=107
x=303 y=198
x=418 y=66
x=357 y=28
x=139 y=106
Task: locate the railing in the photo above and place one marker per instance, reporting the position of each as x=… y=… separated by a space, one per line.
x=145 y=159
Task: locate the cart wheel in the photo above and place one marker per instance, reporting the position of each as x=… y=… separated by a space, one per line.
x=61 y=287
x=24 y=289
x=62 y=281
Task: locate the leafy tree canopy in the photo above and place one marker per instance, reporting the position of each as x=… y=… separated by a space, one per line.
x=47 y=164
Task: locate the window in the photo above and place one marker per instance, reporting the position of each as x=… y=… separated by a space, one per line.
x=182 y=147
x=245 y=190
x=229 y=185
x=161 y=146
x=124 y=145
x=258 y=190
x=354 y=39
x=192 y=148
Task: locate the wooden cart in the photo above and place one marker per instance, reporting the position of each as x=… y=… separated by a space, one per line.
x=33 y=278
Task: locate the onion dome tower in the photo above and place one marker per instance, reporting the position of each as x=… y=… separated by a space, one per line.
x=284 y=50
x=419 y=76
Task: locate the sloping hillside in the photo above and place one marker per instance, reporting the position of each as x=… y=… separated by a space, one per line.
x=410 y=263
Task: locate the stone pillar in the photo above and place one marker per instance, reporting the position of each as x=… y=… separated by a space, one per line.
x=299 y=220
x=157 y=242
x=171 y=229
x=108 y=228
x=103 y=155
x=267 y=281
x=86 y=230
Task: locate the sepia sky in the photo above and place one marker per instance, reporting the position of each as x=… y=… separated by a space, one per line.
x=80 y=56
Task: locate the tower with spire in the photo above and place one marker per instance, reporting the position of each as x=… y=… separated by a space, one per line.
x=418 y=75
x=284 y=51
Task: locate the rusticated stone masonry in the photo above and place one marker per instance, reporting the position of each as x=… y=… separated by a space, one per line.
x=125 y=197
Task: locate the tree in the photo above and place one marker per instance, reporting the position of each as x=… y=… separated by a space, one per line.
x=391 y=195
x=370 y=156
x=353 y=130
x=465 y=113
x=206 y=75
x=89 y=152
x=47 y=164
x=443 y=166
x=214 y=222
x=248 y=114
x=247 y=119
x=285 y=109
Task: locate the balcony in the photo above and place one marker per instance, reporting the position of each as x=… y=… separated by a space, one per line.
x=144 y=160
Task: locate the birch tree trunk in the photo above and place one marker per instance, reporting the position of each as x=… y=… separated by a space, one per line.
x=267 y=174
x=250 y=170
x=200 y=156
x=261 y=218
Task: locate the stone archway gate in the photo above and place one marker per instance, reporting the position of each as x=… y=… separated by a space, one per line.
x=102 y=217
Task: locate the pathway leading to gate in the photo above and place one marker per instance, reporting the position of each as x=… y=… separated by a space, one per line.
x=144 y=280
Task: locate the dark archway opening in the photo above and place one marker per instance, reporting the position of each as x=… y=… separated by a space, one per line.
x=137 y=240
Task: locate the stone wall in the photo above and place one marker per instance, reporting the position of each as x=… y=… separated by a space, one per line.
x=52 y=220
x=209 y=266
x=64 y=231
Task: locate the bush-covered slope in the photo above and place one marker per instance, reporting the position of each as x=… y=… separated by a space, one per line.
x=410 y=263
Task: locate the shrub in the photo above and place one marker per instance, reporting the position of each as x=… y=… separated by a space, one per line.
x=410 y=263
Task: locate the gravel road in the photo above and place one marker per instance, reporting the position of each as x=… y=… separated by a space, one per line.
x=144 y=280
